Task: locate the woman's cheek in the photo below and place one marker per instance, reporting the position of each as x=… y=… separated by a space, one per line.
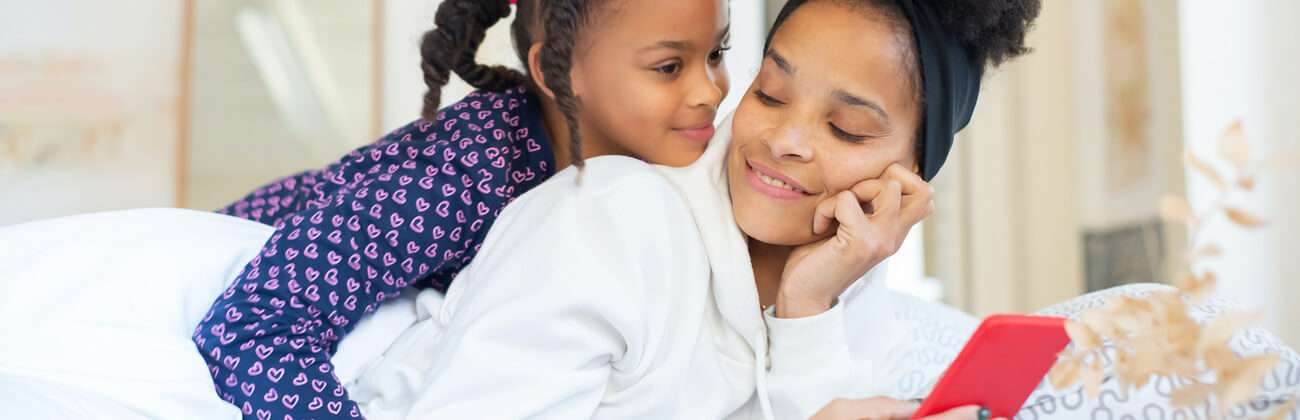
x=796 y=226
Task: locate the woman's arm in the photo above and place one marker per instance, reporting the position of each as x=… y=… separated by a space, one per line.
x=811 y=363
x=579 y=294
x=811 y=360
x=269 y=337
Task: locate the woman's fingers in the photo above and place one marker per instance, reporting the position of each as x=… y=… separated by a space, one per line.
x=848 y=211
x=867 y=408
x=889 y=408
x=912 y=183
x=918 y=195
x=897 y=195
x=843 y=208
x=824 y=215
x=868 y=190
x=969 y=412
x=888 y=203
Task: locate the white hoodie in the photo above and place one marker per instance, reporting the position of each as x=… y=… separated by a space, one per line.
x=631 y=295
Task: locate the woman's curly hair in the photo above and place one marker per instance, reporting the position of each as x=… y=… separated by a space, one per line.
x=993 y=31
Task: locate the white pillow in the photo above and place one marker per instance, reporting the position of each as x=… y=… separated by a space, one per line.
x=104 y=305
x=1152 y=402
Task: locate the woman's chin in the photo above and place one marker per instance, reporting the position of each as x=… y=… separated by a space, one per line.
x=769 y=231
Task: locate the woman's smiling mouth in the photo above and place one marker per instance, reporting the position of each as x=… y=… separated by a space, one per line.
x=771 y=183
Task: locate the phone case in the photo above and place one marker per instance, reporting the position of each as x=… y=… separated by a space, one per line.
x=999 y=367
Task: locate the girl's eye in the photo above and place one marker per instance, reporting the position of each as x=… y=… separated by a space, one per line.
x=717 y=55
x=766 y=99
x=669 y=69
x=844 y=135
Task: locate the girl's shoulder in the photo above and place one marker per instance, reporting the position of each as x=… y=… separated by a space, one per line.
x=611 y=181
x=620 y=217
x=511 y=117
x=615 y=201
x=497 y=132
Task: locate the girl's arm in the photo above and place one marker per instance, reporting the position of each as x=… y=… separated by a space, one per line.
x=270 y=203
x=579 y=294
x=268 y=339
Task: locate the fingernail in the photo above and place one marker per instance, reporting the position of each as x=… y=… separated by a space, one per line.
x=984 y=414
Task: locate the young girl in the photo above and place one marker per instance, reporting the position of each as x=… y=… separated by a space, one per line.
x=413 y=208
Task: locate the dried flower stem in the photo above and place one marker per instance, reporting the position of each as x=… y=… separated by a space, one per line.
x=1155 y=336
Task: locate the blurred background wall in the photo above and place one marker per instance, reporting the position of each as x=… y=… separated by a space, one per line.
x=1054 y=189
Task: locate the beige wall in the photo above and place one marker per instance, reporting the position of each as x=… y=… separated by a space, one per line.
x=1110 y=205
x=1009 y=196
x=403 y=90
x=1028 y=176
x=240 y=138
x=89 y=99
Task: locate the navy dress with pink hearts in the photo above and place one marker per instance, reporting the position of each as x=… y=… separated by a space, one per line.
x=411 y=209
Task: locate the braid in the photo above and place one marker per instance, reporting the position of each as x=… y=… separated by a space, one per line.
x=460 y=27
x=528 y=20
x=496 y=77
x=436 y=69
x=564 y=19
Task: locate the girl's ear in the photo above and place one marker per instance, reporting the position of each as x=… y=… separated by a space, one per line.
x=535 y=69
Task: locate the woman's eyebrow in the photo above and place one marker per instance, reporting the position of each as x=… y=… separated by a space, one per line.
x=781 y=62
x=854 y=100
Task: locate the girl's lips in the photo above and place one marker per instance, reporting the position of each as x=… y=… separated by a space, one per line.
x=701 y=134
x=751 y=175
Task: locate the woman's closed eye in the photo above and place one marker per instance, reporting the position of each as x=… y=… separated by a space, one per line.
x=847 y=136
x=767 y=99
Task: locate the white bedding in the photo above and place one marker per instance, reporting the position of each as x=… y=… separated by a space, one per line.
x=96 y=313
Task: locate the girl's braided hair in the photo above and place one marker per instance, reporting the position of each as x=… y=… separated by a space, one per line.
x=461 y=26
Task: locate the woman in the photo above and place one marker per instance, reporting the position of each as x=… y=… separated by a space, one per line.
x=728 y=288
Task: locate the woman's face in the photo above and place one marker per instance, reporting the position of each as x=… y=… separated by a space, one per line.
x=833 y=105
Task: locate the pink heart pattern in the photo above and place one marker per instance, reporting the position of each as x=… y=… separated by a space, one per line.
x=412 y=208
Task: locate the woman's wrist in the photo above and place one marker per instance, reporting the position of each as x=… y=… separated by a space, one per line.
x=801 y=307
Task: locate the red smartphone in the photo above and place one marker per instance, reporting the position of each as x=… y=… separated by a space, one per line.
x=1003 y=362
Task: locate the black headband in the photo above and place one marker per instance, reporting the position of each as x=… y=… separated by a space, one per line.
x=950 y=79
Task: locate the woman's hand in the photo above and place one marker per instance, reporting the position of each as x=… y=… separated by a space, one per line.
x=880 y=408
x=816 y=274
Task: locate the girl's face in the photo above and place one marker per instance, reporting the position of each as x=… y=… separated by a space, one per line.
x=833 y=105
x=650 y=76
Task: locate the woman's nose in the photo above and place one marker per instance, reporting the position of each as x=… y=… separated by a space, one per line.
x=790 y=142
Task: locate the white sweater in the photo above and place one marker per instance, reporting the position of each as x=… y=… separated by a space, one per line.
x=632 y=296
